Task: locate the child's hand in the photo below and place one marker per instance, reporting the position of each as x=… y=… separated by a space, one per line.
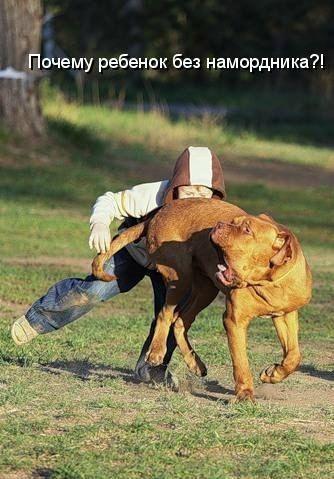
x=100 y=238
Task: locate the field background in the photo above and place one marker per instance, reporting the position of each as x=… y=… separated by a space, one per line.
x=69 y=405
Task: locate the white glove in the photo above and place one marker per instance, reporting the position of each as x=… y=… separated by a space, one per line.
x=100 y=237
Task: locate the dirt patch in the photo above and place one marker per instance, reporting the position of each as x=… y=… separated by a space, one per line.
x=15 y=475
x=320 y=431
x=301 y=390
x=19 y=157
x=10 y=306
x=314 y=392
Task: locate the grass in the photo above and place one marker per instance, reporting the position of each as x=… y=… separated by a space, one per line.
x=69 y=405
x=156 y=133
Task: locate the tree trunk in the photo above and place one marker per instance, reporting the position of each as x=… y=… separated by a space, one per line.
x=20 y=34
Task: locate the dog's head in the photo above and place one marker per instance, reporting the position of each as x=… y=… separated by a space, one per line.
x=249 y=248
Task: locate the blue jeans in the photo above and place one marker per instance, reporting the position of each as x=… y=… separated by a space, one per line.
x=71 y=298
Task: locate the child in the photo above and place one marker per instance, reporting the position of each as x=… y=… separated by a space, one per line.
x=197 y=173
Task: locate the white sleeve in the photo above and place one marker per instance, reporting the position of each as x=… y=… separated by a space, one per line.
x=142 y=199
x=104 y=209
x=136 y=202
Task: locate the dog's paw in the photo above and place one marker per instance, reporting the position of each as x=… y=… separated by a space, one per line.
x=201 y=369
x=272 y=374
x=243 y=395
x=196 y=366
x=154 y=357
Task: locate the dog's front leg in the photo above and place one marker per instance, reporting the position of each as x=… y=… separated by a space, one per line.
x=236 y=322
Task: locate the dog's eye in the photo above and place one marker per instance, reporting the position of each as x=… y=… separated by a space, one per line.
x=246 y=229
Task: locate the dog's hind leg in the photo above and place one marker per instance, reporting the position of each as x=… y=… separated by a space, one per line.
x=202 y=294
x=287 y=332
x=177 y=287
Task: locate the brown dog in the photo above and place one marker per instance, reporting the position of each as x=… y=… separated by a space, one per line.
x=201 y=246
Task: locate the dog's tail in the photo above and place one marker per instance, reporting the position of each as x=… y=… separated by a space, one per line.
x=128 y=236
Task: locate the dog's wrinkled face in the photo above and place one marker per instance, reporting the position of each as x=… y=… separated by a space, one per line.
x=248 y=248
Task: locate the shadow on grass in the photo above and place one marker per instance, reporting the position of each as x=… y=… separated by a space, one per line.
x=73 y=167
x=73 y=135
x=43 y=473
x=56 y=170
x=89 y=149
x=210 y=397
x=87 y=371
x=215 y=388
x=312 y=371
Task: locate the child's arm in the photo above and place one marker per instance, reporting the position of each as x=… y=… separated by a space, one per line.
x=136 y=202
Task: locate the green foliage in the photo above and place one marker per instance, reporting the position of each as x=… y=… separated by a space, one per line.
x=198 y=30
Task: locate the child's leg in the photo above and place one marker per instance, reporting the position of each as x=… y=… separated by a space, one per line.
x=71 y=298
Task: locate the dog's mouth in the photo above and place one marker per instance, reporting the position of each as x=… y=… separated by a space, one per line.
x=225 y=274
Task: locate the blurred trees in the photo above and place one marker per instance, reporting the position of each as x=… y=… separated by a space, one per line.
x=195 y=28
x=20 y=34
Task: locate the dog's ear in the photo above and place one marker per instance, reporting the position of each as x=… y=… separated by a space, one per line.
x=266 y=217
x=283 y=246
